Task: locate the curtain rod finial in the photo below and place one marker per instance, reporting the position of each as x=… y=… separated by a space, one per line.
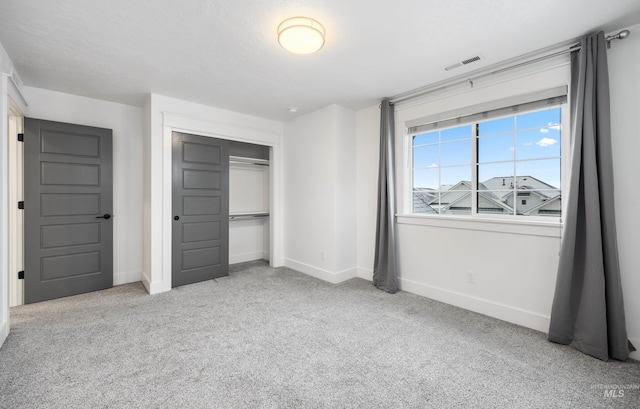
x=620 y=36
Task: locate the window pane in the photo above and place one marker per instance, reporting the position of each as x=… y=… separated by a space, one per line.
x=460 y=132
x=425 y=156
x=425 y=201
x=452 y=176
x=426 y=178
x=493 y=202
x=457 y=208
x=548 y=194
x=540 y=203
x=495 y=148
x=518 y=167
x=455 y=198
x=538 y=119
x=424 y=138
x=455 y=202
x=539 y=174
x=496 y=126
x=539 y=143
x=503 y=185
x=493 y=174
x=455 y=153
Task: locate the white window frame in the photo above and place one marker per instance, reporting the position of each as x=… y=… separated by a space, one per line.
x=517 y=83
x=564 y=117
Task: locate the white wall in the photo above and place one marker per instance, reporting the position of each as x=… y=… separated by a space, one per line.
x=147 y=198
x=248 y=240
x=309 y=190
x=165 y=115
x=367 y=153
x=509 y=285
x=344 y=131
x=126 y=123
x=320 y=194
x=624 y=66
x=514 y=264
x=152 y=198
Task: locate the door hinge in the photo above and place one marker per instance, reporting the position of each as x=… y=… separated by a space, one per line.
x=20 y=275
x=20 y=137
x=21 y=205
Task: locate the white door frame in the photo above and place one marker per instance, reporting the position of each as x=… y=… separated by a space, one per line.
x=159 y=279
x=10 y=95
x=16 y=194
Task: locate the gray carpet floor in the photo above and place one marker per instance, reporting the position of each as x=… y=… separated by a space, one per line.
x=275 y=338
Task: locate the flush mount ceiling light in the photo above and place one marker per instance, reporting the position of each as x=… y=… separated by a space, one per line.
x=301 y=35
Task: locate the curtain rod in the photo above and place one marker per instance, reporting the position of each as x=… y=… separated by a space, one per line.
x=406 y=96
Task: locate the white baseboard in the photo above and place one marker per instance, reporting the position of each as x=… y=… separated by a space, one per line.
x=126 y=278
x=500 y=311
x=153 y=288
x=365 y=273
x=241 y=258
x=635 y=355
x=325 y=275
x=503 y=312
x=146 y=282
x=4 y=332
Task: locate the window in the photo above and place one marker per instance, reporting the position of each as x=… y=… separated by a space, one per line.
x=490 y=163
x=442 y=171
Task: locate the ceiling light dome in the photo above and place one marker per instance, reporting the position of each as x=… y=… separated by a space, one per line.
x=301 y=35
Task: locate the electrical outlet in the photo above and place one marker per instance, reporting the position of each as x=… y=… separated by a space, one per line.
x=323 y=255
x=471 y=277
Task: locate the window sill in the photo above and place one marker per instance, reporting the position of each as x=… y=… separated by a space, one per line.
x=519 y=227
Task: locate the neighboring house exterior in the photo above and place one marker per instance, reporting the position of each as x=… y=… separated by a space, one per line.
x=499 y=195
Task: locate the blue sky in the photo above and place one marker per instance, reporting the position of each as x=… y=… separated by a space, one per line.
x=532 y=140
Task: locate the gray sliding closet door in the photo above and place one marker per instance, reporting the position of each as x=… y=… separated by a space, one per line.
x=68 y=194
x=200 y=203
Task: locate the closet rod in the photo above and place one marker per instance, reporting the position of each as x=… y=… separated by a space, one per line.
x=248 y=216
x=248 y=161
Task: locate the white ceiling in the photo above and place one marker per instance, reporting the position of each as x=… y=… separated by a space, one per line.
x=224 y=53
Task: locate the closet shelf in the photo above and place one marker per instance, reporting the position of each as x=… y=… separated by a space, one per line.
x=248 y=215
x=248 y=161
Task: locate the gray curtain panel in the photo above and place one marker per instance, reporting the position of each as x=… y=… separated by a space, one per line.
x=588 y=310
x=385 y=271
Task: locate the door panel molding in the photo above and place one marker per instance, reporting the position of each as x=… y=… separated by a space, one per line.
x=200 y=197
x=68 y=185
x=158 y=262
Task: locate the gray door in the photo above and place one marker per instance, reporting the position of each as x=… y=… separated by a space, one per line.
x=68 y=204
x=200 y=209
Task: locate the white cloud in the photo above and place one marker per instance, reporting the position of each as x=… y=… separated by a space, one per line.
x=527 y=144
x=550 y=126
x=433 y=165
x=544 y=142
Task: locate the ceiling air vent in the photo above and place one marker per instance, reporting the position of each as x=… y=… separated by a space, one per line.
x=463 y=62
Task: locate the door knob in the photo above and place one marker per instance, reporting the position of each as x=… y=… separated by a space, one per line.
x=106 y=216
x=176 y=217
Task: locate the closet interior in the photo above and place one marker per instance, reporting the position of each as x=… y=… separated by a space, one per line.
x=249 y=180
